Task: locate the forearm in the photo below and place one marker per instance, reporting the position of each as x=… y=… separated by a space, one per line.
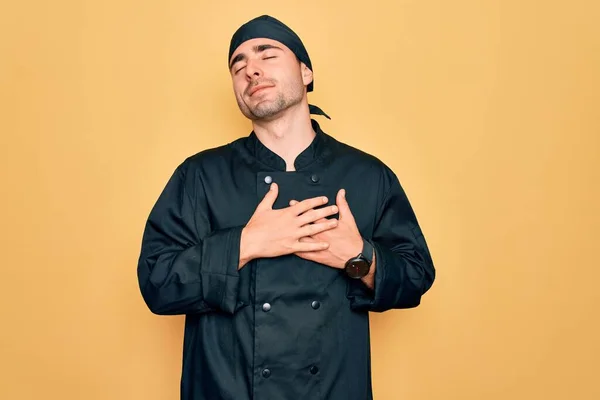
x=198 y=279
x=397 y=281
x=369 y=279
x=403 y=279
x=247 y=248
x=170 y=283
x=185 y=265
x=404 y=269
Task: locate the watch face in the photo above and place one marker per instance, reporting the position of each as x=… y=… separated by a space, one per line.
x=357 y=268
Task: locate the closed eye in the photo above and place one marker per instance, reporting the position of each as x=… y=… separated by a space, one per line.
x=241 y=68
x=257 y=49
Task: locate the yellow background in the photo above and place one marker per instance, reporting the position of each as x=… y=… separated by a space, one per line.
x=489 y=111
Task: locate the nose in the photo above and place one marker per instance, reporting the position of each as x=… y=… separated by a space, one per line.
x=253 y=70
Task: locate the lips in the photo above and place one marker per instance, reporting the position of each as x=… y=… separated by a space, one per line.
x=257 y=88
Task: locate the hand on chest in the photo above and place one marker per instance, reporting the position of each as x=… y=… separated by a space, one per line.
x=296 y=186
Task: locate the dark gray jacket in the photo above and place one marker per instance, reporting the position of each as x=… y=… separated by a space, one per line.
x=279 y=328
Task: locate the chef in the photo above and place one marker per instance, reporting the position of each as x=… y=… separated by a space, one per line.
x=277 y=245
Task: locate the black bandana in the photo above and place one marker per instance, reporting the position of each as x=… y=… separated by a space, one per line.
x=268 y=27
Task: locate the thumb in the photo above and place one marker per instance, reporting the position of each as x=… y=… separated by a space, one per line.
x=343 y=206
x=269 y=199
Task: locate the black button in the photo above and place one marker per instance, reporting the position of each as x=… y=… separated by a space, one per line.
x=268 y=179
x=266 y=307
x=266 y=372
x=314 y=370
x=315 y=304
x=314 y=178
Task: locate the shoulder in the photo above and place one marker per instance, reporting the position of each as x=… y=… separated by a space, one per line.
x=211 y=158
x=195 y=168
x=357 y=160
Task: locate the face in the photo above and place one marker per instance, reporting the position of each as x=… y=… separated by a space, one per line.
x=267 y=78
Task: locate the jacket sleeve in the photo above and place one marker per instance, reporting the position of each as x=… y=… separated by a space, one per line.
x=184 y=267
x=404 y=267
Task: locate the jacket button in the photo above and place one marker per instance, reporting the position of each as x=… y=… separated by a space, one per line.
x=314 y=178
x=314 y=369
x=266 y=372
x=266 y=307
x=268 y=179
x=315 y=304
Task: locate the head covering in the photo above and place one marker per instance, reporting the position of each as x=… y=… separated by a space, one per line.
x=268 y=27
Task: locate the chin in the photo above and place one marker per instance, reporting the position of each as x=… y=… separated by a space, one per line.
x=265 y=114
x=265 y=109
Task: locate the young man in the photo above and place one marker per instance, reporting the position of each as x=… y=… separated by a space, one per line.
x=277 y=245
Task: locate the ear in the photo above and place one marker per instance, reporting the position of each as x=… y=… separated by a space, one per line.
x=307 y=74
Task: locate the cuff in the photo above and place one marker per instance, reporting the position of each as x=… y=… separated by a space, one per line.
x=219 y=269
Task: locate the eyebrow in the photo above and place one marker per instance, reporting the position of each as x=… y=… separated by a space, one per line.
x=257 y=49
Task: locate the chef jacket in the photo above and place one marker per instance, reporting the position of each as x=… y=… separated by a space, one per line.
x=279 y=328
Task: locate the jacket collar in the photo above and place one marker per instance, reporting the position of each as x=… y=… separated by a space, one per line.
x=317 y=149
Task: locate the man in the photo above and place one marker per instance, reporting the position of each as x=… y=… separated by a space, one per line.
x=277 y=245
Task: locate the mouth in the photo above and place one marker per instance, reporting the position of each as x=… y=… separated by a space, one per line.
x=258 y=88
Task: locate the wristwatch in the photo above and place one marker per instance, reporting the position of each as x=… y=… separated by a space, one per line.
x=359 y=266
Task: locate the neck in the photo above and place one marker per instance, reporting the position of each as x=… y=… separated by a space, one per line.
x=288 y=134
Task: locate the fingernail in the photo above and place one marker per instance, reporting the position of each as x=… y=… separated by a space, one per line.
x=334 y=209
x=343 y=193
x=324 y=199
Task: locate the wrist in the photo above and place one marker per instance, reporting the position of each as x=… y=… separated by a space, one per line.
x=353 y=249
x=246 y=248
x=358 y=266
x=369 y=279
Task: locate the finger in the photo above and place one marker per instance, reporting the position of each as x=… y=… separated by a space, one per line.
x=269 y=199
x=316 y=215
x=307 y=204
x=313 y=229
x=294 y=202
x=310 y=246
x=345 y=212
x=308 y=239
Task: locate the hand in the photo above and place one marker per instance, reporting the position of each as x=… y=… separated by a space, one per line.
x=344 y=241
x=272 y=233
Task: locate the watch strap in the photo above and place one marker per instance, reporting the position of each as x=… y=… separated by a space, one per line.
x=367 y=251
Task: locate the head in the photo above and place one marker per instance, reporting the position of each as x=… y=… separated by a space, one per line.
x=267 y=78
x=270 y=68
